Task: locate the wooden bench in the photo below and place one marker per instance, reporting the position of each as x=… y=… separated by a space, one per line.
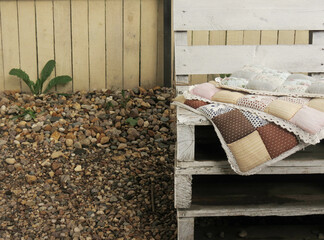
x=195 y=200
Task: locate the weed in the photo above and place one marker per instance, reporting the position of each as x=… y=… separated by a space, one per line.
x=131 y=121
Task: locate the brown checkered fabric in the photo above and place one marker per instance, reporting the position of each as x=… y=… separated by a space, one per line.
x=195 y=103
x=233 y=126
x=276 y=139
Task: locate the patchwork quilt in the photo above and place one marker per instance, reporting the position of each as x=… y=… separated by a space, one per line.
x=257 y=130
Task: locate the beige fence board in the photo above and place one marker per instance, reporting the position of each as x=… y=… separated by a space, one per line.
x=97 y=44
x=10 y=43
x=234 y=38
x=63 y=54
x=200 y=38
x=160 y=46
x=149 y=9
x=131 y=43
x=217 y=38
x=286 y=37
x=45 y=34
x=114 y=42
x=269 y=37
x=2 y=79
x=251 y=37
x=80 y=44
x=27 y=40
x=302 y=37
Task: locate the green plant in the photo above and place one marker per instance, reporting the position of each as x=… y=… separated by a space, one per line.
x=24 y=112
x=124 y=99
x=37 y=88
x=131 y=121
x=108 y=105
x=224 y=75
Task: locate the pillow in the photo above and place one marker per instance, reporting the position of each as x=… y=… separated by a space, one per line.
x=205 y=90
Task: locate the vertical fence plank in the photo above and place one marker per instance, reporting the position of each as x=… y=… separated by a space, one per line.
x=286 y=37
x=62 y=33
x=160 y=44
x=27 y=40
x=149 y=26
x=114 y=38
x=2 y=79
x=251 y=38
x=9 y=24
x=131 y=43
x=80 y=46
x=200 y=38
x=269 y=37
x=234 y=38
x=97 y=44
x=45 y=33
x=302 y=37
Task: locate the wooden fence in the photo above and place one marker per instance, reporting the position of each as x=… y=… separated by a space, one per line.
x=100 y=43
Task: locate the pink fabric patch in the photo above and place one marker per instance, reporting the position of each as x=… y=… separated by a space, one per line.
x=205 y=90
x=309 y=119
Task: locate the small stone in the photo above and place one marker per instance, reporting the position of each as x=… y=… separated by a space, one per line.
x=209 y=235
x=76 y=230
x=80 y=151
x=140 y=122
x=119 y=158
x=104 y=140
x=78 y=168
x=56 y=165
x=51 y=174
x=122 y=140
x=10 y=161
x=134 y=113
x=320 y=236
x=146 y=124
x=77 y=145
x=133 y=133
x=122 y=146
x=31 y=179
x=222 y=235
x=56 y=154
x=242 y=234
x=69 y=142
x=56 y=135
x=113 y=199
x=55 y=119
x=85 y=142
x=145 y=104
x=46 y=163
x=70 y=136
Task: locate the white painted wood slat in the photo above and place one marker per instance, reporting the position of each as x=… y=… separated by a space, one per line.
x=226 y=59
x=248 y=15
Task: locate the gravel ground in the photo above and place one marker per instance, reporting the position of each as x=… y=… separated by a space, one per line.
x=95 y=165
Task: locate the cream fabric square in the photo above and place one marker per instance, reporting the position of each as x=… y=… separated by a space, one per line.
x=227 y=96
x=249 y=151
x=317 y=103
x=283 y=109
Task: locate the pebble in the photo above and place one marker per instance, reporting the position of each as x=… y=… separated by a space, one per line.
x=104 y=140
x=31 y=179
x=10 y=161
x=320 y=236
x=78 y=168
x=242 y=234
x=57 y=154
x=69 y=142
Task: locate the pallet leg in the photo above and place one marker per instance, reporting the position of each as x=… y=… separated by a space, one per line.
x=186 y=228
x=182 y=191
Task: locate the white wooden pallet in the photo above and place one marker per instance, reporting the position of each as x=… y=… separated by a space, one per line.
x=241 y=15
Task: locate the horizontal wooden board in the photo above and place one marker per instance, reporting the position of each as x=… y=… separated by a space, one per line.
x=248 y=15
x=226 y=59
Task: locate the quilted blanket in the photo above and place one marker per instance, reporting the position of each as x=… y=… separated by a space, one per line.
x=257 y=130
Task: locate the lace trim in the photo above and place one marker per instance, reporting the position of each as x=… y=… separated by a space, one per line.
x=301 y=134
x=230 y=156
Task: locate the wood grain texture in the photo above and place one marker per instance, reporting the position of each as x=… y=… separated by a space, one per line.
x=97 y=44
x=182 y=191
x=45 y=35
x=185 y=142
x=234 y=38
x=10 y=43
x=131 y=43
x=160 y=46
x=63 y=51
x=199 y=38
x=269 y=37
x=286 y=37
x=252 y=38
x=186 y=228
x=302 y=37
x=248 y=15
x=114 y=42
x=27 y=40
x=149 y=9
x=80 y=44
x=216 y=59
